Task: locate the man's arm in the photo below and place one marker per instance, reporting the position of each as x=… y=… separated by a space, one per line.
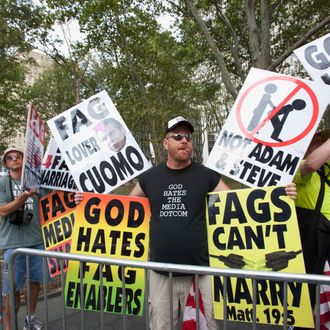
x=137 y=191
x=290 y=188
x=221 y=186
x=316 y=159
x=17 y=203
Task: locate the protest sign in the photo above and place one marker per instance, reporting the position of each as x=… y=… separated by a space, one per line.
x=315 y=57
x=115 y=227
x=33 y=151
x=268 y=129
x=57 y=217
x=98 y=148
x=54 y=171
x=257 y=229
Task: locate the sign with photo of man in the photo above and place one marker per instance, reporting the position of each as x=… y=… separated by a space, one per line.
x=97 y=146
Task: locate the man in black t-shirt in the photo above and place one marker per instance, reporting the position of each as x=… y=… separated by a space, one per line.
x=177 y=190
x=177 y=193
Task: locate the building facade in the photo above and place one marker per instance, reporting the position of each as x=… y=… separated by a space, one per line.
x=40 y=63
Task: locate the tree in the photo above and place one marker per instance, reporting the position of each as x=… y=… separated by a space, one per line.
x=148 y=73
x=236 y=35
x=260 y=34
x=18 y=20
x=196 y=69
x=53 y=91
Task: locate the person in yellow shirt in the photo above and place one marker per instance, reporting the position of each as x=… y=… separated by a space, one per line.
x=313 y=205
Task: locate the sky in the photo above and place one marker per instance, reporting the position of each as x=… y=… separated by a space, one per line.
x=71 y=31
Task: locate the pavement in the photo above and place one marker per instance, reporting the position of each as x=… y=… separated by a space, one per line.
x=57 y=317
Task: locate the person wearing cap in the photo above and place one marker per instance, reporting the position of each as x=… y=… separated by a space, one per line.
x=19 y=227
x=314 y=172
x=176 y=190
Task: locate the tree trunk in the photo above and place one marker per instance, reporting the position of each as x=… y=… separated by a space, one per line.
x=77 y=89
x=216 y=52
x=265 y=33
x=253 y=33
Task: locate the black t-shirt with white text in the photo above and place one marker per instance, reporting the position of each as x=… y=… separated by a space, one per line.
x=178 y=222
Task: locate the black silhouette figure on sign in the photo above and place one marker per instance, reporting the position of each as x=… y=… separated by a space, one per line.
x=260 y=109
x=281 y=116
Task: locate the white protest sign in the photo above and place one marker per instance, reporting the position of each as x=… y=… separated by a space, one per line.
x=54 y=171
x=315 y=57
x=98 y=148
x=34 y=149
x=268 y=129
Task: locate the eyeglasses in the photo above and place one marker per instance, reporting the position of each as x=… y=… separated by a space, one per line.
x=180 y=136
x=12 y=157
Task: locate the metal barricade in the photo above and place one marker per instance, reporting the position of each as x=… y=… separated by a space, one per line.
x=196 y=270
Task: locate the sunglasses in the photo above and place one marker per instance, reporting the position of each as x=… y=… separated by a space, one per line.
x=180 y=136
x=12 y=157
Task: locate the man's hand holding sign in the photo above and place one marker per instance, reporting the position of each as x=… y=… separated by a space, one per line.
x=100 y=218
x=101 y=154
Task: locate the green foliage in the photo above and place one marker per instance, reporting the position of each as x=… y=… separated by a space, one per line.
x=147 y=72
x=53 y=91
x=290 y=21
x=153 y=75
x=17 y=21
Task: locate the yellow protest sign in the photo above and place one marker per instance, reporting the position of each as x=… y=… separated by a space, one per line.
x=257 y=229
x=115 y=227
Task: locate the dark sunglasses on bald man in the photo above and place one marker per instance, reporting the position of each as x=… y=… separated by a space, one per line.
x=180 y=136
x=13 y=156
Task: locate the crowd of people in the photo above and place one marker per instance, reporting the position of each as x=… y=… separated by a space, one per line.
x=175 y=237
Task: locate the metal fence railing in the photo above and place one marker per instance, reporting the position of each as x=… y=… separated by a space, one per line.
x=285 y=278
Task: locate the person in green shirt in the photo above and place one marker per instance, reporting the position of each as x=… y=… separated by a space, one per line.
x=19 y=227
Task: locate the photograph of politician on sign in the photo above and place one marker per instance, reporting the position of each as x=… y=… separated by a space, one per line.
x=97 y=146
x=33 y=151
x=54 y=171
x=257 y=229
x=111 y=133
x=114 y=227
x=268 y=129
